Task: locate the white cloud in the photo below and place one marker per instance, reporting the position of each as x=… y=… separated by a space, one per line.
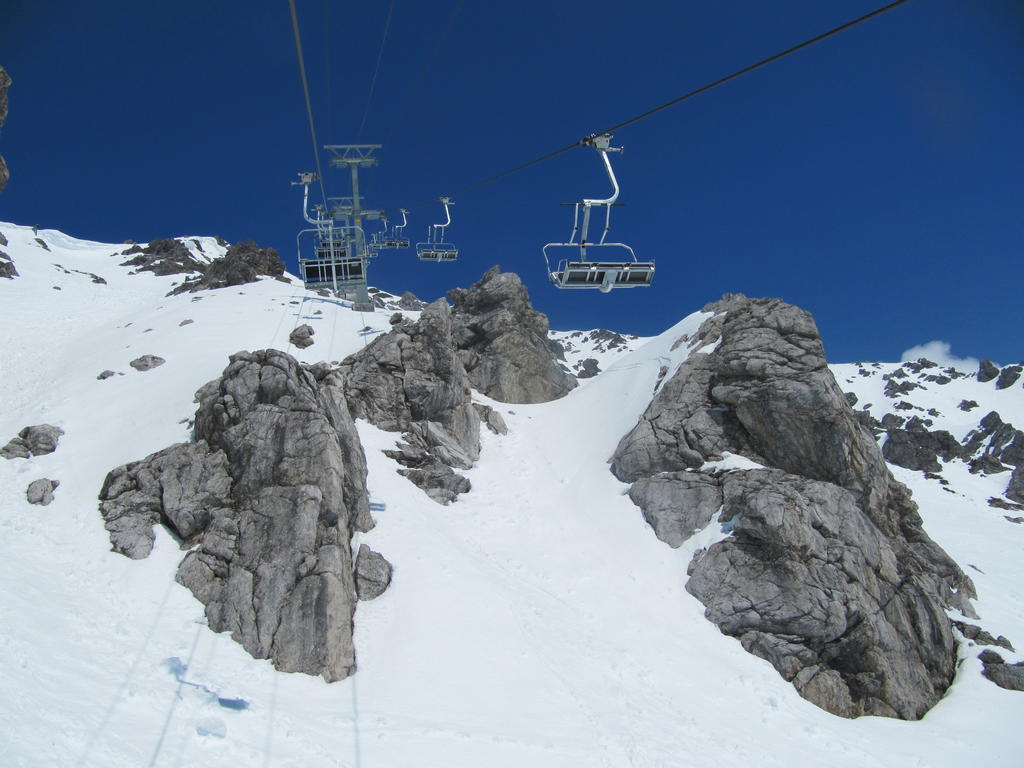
x=940 y=352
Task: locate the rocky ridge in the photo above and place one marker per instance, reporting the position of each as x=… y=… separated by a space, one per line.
x=825 y=571
x=919 y=437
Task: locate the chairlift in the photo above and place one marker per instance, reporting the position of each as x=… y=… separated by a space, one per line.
x=435 y=249
x=391 y=237
x=585 y=271
x=339 y=254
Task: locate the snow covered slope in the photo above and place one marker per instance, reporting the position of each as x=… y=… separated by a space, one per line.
x=537 y=621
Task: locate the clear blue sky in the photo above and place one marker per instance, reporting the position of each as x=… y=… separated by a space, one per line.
x=874 y=179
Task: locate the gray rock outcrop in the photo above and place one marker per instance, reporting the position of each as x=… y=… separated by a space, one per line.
x=163 y=257
x=244 y=262
x=1008 y=676
x=826 y=571
x=1015 y=490
x=916 y=447
x=1009 y=376
x=37 y=440
x=373 y=573
x=411 y=380
x=302 y=336
x=267 y=500
x=147 y=362
x=503 y=341
x=41 y=491
x=409 y=302
x=5 y=82
x=7 y=269
x=987 y=371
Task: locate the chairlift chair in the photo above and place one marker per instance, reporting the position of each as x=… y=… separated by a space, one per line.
x=435 y=249
x=585 y=272
x=335 y=265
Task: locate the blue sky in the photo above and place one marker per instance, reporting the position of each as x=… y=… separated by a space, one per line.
x=874 y=178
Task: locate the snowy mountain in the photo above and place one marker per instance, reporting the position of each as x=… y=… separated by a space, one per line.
x=536 y=614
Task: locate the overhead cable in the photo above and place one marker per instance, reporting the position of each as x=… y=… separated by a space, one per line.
x=309 y=106
x=667 y=104
x=376 y=69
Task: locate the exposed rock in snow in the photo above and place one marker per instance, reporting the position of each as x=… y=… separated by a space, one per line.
x=987 y=371
x=915 y=447
x=7 y=265
x=268 y=498
x=503 y=341
x=373 y=573
x=410 y=302
x=37 y=440
x=1009 y=676
x=828 y=573
x=146 y=362
x=1015 y=490
x=105 y=374
x=1009 y=376
x=588 y=368
x=163 y=257
x=243 y=263
x=980 y=636
x=41 y=491
x=302 y=336
x=411 y=380
x=491 y=418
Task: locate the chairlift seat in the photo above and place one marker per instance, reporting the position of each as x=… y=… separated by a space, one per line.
x=437 y=252
x=603 y=275
x=341 y=270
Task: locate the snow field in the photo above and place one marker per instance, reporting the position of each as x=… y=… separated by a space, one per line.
x=537 y=621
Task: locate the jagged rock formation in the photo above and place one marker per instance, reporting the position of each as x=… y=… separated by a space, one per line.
x=41 y=491
x=411 y=380
x=827 y=572
x=267 y=498
x=302 y=336
x=37 y=440
x=163 y=257
x=243 y=263
x=5 y=82
x=503 y=342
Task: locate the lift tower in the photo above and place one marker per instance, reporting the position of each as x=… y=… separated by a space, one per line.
x=350 y=211
x=342 y=251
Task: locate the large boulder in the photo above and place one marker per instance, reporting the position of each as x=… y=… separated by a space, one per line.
x=37 y=440
x=503 y=341
x=827 y=572
x=267 y=500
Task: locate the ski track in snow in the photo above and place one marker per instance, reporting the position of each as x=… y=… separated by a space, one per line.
x=537 y=621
